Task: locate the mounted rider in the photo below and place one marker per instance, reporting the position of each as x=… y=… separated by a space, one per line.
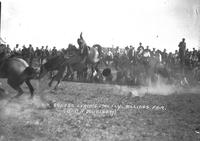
x=82 y=44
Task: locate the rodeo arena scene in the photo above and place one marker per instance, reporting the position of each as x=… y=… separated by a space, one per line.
x=86 y=90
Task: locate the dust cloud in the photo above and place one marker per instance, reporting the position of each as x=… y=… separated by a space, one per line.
x=24 y=106
x=155 y=89
x=20 y=107
x=160 y=87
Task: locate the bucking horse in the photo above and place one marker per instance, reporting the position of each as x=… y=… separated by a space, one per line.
x=75 y=60
x=60 y=63
x=56 y=63
x=16 y=71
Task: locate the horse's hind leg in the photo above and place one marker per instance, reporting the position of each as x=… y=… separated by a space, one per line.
x=17 y=88
x=59 y=77
x=28 y=83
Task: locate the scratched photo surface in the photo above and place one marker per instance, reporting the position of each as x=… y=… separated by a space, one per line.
x=99 y=70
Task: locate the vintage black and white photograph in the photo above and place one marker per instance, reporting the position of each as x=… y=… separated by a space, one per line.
x=99 y=70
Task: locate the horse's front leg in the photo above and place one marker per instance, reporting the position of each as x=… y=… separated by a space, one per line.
x=52 y=79
x=56 y=87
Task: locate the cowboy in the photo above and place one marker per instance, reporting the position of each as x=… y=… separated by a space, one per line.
x=81 y=41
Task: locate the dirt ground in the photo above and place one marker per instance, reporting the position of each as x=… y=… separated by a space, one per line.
x=99 y=112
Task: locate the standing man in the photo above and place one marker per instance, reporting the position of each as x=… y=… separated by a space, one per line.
x=140 y=50
x=182 y=48
x=164 y=57
x=182 y=54
x=109 y=56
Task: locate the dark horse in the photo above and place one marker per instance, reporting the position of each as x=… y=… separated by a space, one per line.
x=59 y=63
x=76 y=64
x=56 y=63
x=17 y=71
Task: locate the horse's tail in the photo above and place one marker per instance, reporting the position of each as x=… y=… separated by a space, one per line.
x=30 y=72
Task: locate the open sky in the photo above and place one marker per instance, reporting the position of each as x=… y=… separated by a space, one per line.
x=157 y=23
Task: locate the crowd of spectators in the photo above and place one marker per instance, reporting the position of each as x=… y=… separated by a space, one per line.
x=182 y=55
x=189 y=58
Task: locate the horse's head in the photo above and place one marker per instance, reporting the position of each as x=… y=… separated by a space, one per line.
x=71 y=47
x=72 y=50
x=30 y=72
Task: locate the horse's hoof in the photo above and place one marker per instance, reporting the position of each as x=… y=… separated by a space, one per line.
x=31 y=97
x=16 y=96
x=13 y=97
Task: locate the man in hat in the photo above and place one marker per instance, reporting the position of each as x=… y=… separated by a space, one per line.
x=182 y=48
